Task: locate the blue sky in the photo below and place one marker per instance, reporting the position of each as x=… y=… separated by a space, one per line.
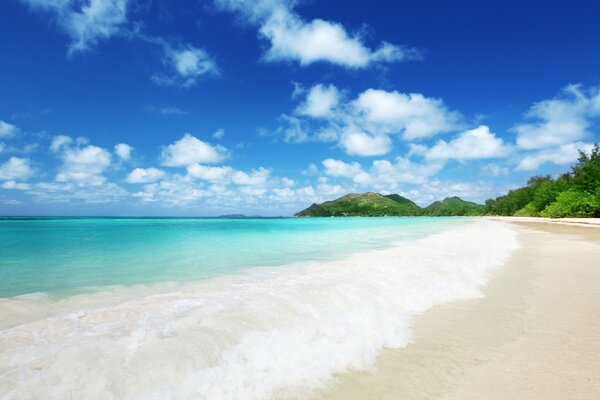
x=129 y=107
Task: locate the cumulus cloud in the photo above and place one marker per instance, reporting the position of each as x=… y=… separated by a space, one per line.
x=123 y=151
x=16 y=168
x=59 y=142
x=86 y=22
x=7 y=130
x=564 y=119
x=363 y=126
x=562 y=155
x=215 y=174
x=191 y=150
x=320 y=101
x=437 y=189
x=84 y=165
x=13 y=185
x=383 y=174
x=340 y=168
x=187 y=65
x=144 y=175
x=412 y=114
x=293 y=39
x=253 y=178
x=478 y=143
x=365 y=145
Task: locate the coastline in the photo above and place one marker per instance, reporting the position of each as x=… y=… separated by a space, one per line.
x=535 y=335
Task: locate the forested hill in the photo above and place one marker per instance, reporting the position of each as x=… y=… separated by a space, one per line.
x=378 y=205
x=573 y=194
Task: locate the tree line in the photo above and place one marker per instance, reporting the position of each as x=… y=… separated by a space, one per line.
x=572 y=194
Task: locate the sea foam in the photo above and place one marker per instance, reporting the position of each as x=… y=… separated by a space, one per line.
x=269 y=332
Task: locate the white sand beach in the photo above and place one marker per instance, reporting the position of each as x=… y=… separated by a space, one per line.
x=536 y=334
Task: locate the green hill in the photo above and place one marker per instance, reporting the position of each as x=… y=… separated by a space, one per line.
x=363 y=205
x=453 y=206
x=377 y=205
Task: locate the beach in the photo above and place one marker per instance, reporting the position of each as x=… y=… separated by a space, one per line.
x=475 y=308
x=535 y=334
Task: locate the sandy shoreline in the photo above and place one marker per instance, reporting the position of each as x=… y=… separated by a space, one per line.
x=536 y=334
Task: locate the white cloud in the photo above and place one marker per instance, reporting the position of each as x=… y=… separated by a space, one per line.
x=383 y=175
x=412 y=114
x=190 y=150
x=478 y=143
x=320 y=101
x=7 y=130
x=339 y=168
x=84 y=165
x=215 y=174
x=494 y=170
x=86 y=22
x=188 y=65
x=16 y=168
x=219 y=134
x=253 y=178
x=293 y=39
x=365 y=145
x=436 y=189
x=144 y=175
x=123 y=151
x=562 y=155
x=59 y=142
x=561 y=120
x=168 y=110
x=12 y=185
x=363 y=126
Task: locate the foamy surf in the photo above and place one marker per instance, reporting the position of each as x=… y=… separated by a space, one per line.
x=273 y=332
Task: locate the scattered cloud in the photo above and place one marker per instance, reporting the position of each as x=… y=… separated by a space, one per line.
x=7 y=130
x=365 y=145
x=320 y=101
x=84 y=166
x=190 y=150
x=168 y=110
x=562 y=120
x=59 y=142
x=144 y=175
x=187 y=64
x=16 y=169
x=213 y=174
x=219 y=134
x=293 y=39
x=13 y=185
x=123 y=151
x=562 y=155
x=474 y=144
x=86 y=22
x=494 y=170
x=411 y=114
x=363 y=126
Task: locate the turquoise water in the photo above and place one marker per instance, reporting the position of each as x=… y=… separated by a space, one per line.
x=62 y=256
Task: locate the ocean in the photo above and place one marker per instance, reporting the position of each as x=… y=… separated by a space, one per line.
x=208 y=308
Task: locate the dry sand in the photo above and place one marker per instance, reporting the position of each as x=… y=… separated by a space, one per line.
x=536 y=334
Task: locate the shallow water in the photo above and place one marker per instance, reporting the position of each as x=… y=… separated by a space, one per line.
x=260 y=332
x=62 y=256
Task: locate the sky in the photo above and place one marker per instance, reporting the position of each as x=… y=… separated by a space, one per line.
x=210 y=107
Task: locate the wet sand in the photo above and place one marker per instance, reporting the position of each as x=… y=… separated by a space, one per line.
x=535 y=335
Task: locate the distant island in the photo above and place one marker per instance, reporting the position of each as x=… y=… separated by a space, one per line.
x=573 y=194
x=392 y=205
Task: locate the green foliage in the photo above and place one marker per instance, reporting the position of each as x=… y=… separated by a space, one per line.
x=363 y=205
x=573 y=203
x=453 y=206
x=586 y=174
x=575 y=194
